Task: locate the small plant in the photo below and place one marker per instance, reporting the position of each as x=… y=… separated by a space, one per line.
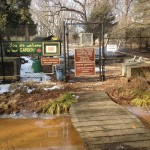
x=61 y=105
x=142 y=100
x=75 y=36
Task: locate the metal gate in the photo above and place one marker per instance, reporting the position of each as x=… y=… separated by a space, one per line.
x=76 y=37
x=106 y=66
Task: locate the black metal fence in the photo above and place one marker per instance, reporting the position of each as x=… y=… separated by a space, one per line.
x=81 y=36
x=75 y=36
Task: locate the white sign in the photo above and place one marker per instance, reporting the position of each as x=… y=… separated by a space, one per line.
x=51 y=49
x=111 y=48
x=86 y=39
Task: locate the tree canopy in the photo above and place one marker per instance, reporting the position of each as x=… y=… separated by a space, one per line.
x=51 y=14
x=16 y=18
x=100 y=14
x=124 y=19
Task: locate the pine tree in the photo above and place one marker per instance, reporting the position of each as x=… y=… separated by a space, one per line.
x=100 y=14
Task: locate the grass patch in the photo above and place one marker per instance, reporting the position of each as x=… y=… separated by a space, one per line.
x=61 y=105
x=142 y=100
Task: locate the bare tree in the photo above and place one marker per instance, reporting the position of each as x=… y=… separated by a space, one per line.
x=132 y=17
x=51 y=13
x=123 y=10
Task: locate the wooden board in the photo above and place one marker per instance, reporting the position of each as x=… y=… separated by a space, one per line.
x=104 y=125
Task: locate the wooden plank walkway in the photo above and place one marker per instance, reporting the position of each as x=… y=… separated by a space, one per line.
x=105 y=125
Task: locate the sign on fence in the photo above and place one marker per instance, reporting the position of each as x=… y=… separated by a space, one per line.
x=51 y=48
x=111 y=47
x=84 y=62
x=84 y=69
x=50 y=61
x=84 y=55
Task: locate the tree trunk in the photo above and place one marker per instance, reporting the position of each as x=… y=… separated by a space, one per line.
x=1 y=39
x=146 y=44
x=8 y=38
x=27 y=36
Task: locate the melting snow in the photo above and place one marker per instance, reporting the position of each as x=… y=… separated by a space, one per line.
x=52 y=88
x=27 y=73
x=4 y=88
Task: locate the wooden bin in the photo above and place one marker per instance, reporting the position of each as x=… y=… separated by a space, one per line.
x=11 y=68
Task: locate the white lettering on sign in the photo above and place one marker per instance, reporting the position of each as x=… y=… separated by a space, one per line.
x=51 y=49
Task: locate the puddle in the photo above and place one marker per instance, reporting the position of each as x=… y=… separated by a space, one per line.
x=29 y=131
x=143 y=115
x=39 y=134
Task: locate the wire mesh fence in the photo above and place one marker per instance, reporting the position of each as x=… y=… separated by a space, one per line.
x=88 y=36
x=110 y=48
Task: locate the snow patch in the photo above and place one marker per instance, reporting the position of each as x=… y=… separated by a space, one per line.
x=53 y=88
x=4 y=88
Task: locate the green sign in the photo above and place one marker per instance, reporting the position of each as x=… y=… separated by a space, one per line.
x=23 y=48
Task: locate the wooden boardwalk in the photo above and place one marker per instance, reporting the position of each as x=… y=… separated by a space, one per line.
x=105 y=125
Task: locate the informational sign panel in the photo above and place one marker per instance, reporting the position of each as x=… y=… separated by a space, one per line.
x=84 y=62
x=51 y=48
x=11 y=48
x=84 y=69
x=111 y=47
x=84 y=55
x=50 y=61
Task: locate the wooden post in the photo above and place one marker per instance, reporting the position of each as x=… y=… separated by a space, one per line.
x=2 y=59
